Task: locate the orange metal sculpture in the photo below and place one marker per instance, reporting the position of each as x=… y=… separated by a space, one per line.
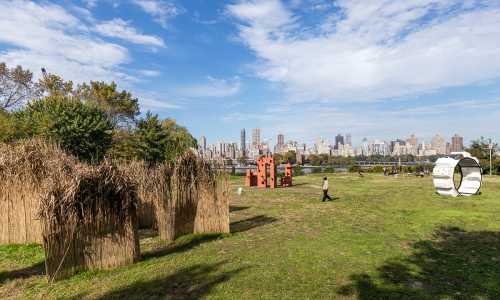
x=261 y=179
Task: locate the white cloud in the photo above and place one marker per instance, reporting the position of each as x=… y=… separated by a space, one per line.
x=368 y=50
x=161 y=10
x=214 y=87
x=46 y=35
x=306 y=121
x=149 y=73
x=152 y=103
x=122 y=29
x=90 y=3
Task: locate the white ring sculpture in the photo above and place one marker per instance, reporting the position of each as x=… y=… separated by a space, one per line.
x=471 y=178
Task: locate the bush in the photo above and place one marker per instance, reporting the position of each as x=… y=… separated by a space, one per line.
x=82 y=130
x=7 y=127
x=354 y=168
x=329 y=170
x=298 y=171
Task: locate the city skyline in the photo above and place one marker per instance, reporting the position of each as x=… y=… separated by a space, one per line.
x=340 y=145
x=301 y=68
x=332 y=138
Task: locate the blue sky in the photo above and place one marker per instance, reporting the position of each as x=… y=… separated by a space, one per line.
x=306 y=68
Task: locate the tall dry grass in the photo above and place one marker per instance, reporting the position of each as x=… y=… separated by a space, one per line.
x=212 y=214
x=25 y=167
x=89 y=220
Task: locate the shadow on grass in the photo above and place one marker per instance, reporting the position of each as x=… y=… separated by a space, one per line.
x=237 y=208
x=182 y=246
x=250 y=223
x=189 y=283
x=456 y=264
x=36 y=269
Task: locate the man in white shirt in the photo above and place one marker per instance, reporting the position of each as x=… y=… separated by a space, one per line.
x=325 y=190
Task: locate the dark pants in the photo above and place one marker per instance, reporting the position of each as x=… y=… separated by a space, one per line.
x=325 y=195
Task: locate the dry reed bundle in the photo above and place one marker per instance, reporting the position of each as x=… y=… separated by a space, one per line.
x=89 y=221
x=212 y=214
x=154 y=188
x=24 y=169
x=147 y=191
x=185 y=193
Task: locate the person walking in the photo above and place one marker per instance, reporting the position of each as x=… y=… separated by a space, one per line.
x=325 y=190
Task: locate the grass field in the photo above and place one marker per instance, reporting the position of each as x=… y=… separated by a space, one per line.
x=381 y=238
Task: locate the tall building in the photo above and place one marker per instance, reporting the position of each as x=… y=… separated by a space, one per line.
x=203 y=143
x=243 y=143
x=256 y=137
x=280 y=145
x=339 y=140
x=348 y=139
x=281 y=139
x=438 y=144
x=457 y=143
x=412 y=140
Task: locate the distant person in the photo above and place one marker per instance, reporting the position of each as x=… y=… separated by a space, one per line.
x=325 y=190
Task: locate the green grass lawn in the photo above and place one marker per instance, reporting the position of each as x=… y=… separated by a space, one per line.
x=382 y=238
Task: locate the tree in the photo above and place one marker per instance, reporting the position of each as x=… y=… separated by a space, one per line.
x=290 y=157
x=54 y=85
x=120 y=106
x=81 y=129
x=480 y=148
x=278 y=158
x=124 y=145
x=151 y=139
x=178 y=139
x=7 y=127
x=16 y=86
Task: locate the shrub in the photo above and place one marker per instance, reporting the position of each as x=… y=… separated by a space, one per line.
x=298 y=171
x=82 y=130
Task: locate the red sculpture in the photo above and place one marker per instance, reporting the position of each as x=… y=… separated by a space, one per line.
x=262 y=180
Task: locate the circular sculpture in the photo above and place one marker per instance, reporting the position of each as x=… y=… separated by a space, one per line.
x=469 y=169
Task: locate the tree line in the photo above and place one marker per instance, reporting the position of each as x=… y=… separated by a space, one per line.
x=89 y=120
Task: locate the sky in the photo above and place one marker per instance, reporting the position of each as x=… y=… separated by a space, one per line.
x=306 y=68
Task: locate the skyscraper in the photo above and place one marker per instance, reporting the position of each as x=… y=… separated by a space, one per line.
x=243 y=143
x=256 y=137
x=281 y=139
x=203 y=143
x=348 y=139
x=280 y=145
x=457 y=143
x=412 y=140
x=339 y=140
x=438 y=144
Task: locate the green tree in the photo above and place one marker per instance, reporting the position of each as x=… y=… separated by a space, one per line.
x=480 y=148
x=7 y=127
x=81 y=129
x=178 y=139
x=278 y=158
x=124 y=145
x=151 y=139
x=122 y=107
x=16 y=86
x=54 y=85
x=290 y=157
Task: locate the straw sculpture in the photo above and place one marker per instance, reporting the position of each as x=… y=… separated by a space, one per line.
x=212 y=214
x=25 y=167
x=89 y=221
x=185 y=193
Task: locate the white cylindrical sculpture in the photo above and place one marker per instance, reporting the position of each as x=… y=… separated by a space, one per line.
x=471 y=175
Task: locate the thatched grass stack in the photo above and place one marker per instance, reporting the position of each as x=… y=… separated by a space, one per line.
x=89 y=221
x=212 y=214
x=185 y=193
x=25 y=167
x=148 y=192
